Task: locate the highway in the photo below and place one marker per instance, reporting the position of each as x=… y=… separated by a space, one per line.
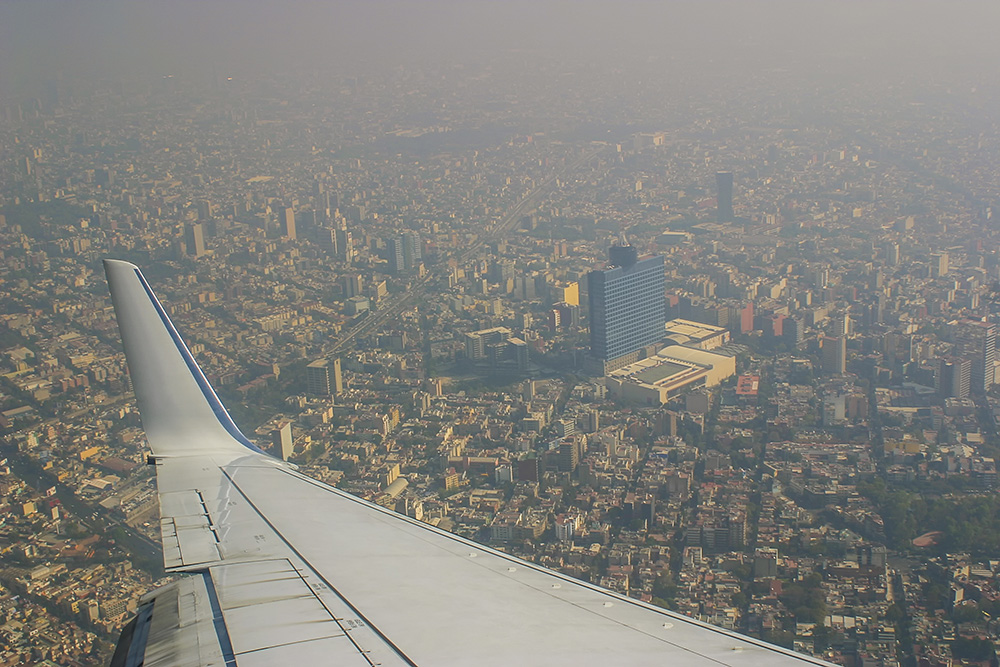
x=146 y=553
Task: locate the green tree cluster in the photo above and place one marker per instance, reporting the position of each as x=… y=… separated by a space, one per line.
x=973 y=648
x=968 y=523
x=806 y=599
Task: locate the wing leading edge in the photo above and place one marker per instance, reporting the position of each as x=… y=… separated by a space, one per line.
x=289 y=569
x=180 y=411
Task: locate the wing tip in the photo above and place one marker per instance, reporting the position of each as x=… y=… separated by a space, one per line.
x=111 y=261
x=111 y=264
x=172 y=389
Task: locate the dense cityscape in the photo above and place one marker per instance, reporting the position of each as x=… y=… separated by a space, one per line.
x=731 y=353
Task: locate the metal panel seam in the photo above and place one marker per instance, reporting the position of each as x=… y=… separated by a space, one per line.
x=221 y=631
x=330 y=585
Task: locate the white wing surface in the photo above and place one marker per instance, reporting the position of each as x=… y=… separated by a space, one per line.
x=285 y=570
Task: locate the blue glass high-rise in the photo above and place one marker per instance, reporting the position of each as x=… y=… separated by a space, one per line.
x=627 y=307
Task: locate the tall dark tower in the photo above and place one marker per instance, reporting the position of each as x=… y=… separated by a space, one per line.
x=194 y=238
x=724 y=181
x=623 y=254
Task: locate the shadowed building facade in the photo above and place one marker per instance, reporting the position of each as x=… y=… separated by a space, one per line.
x=724 y=181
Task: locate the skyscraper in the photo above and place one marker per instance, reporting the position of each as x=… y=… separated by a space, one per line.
x=412 y=254
x=834 y=356
x=724 y=181
x=345 y=245
x=326 y=238
x=281 y=440
x=976 y=341
x=318 y=378
x=338 y=378
x=954 y=377
x=793 y=331
x=394 y=253
x=286 y=219
x=939 y=265
x=627 y=307
x=205 y=210
x=403 y=252
x=194 y=237
x=353 y=284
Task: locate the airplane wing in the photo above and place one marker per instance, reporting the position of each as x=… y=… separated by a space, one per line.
x=283 y=569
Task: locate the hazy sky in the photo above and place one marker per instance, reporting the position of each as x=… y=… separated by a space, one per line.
x=82 y=38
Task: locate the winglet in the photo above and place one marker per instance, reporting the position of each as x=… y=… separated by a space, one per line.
x=181 y=413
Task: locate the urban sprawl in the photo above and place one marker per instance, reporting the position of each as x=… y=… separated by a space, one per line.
x=734 y=358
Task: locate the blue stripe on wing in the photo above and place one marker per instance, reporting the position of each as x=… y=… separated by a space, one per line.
x=206 y=389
